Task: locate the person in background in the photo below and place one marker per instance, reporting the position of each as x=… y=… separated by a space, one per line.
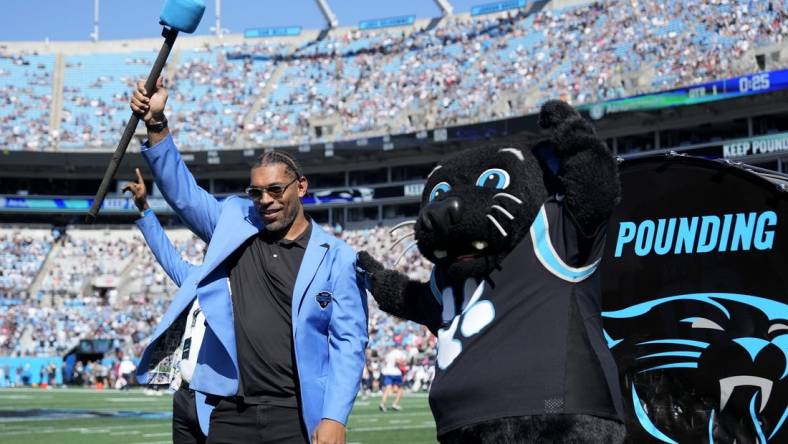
x=392 y=378
x=126 y=369
x=185 y=425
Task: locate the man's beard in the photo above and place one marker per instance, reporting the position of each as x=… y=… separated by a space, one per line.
x=283 y=224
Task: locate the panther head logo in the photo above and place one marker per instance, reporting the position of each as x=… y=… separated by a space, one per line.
x=706 y=366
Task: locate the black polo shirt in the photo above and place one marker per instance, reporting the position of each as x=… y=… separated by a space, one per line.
x=262 y=275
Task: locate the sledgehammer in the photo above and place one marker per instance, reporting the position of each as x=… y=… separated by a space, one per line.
x=176 y=15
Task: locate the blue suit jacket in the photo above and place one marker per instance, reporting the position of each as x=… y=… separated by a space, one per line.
x=162 y=248
x=328 y=342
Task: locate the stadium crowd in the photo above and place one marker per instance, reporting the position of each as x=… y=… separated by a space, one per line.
x=26 y=96
x=220 y=82
x=79 y=259
x=21 y=256
x=461 y=70
x=69 y=306
x=94 y=86
x=464 y=69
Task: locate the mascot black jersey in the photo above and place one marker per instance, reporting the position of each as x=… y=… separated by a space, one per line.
x=537 y=318
x=515 y=229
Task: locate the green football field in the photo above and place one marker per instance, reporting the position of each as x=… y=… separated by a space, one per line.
x=84 y=416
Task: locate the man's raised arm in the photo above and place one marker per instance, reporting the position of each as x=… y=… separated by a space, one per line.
x=198 y=208
x=165 y=252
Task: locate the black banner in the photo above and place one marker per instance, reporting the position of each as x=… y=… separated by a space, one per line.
x=695 y=286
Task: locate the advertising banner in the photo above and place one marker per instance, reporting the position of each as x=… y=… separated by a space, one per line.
x=281 y=31
x=405 y=20
x=491 y=8
x=771 y=144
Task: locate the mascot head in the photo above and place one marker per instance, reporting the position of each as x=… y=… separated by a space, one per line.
x=479 y=203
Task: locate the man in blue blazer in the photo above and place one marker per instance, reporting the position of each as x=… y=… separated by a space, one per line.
x=285 y=308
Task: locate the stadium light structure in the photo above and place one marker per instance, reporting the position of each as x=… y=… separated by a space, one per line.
x=218 y=18
x=95 y=34
x=217 y=28
x=329 y=15
x=446 y=8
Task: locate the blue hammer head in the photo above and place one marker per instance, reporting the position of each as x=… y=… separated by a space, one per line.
x=183 y=15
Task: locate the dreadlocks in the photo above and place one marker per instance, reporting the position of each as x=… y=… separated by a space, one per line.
x=281 y=157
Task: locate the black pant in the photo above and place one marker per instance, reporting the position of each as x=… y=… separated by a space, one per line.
x=540 y=429
x=235 y=422
x=185 y=426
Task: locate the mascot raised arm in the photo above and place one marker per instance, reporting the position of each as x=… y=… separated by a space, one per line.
x=514 y=295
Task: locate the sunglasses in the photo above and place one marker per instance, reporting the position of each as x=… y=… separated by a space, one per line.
x=276 y=191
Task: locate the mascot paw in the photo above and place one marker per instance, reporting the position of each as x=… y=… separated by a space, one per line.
x=385 y=285
x=554 y=112
x=571 y=132
x=369 y=263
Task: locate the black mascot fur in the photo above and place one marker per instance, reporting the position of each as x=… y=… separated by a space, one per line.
x=514 y=297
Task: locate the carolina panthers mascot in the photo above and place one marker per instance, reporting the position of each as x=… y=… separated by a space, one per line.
x=514 y=296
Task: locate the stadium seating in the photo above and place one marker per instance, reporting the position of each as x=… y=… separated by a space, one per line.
x=465 y=69
x=96 y=95
x=26 y=95
x=72 y=303
x=69 y=303
x=22 y=252
x=212 y=93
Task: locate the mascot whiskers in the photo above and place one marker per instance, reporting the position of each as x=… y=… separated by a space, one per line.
x=514 y=295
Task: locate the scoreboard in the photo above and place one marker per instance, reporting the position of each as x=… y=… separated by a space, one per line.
x=741 y=86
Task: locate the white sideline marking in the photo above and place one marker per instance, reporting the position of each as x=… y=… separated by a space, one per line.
x=40 y=430
x=382 y=429
x=86 y=430
x=129 y=400
x=381 y=414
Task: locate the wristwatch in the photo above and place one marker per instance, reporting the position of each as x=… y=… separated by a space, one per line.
x=157 y=127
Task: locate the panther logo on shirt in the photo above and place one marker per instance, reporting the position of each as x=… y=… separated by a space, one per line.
x=476 y=314
x=323 y=299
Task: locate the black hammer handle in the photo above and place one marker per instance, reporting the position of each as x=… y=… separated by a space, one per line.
x=169 y=35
